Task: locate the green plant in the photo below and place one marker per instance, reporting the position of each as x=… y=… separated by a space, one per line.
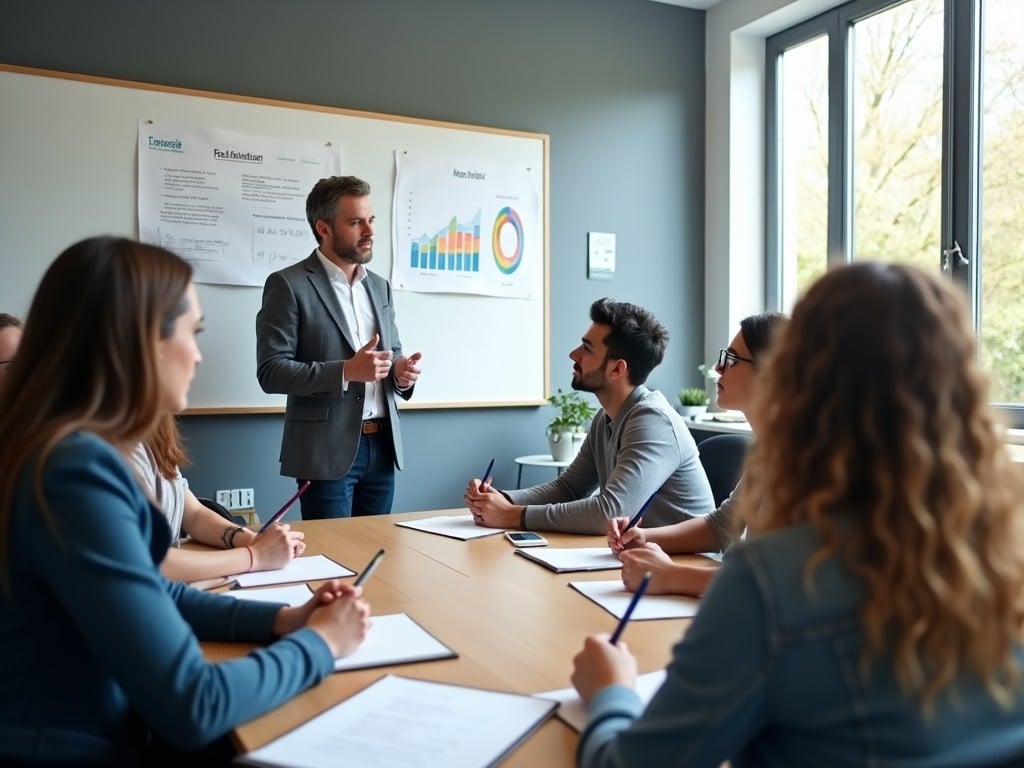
x=574 y=413
x=693 y=396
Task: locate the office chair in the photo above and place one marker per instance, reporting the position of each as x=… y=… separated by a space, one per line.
x=722 y=458
x=221 y=510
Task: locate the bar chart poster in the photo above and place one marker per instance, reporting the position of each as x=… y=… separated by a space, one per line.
x=465 y=226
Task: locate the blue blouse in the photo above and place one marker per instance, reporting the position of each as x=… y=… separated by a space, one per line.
x=96 y=646
x=770 y=676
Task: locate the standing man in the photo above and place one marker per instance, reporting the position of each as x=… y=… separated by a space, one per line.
x=326 y=337
x=10 y=337
x=637 y=447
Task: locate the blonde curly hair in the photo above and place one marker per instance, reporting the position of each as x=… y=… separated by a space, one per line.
x=873 y=408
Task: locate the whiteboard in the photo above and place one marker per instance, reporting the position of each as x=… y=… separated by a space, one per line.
x=68 y=171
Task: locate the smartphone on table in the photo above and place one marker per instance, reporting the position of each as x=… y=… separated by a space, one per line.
x=526 y=539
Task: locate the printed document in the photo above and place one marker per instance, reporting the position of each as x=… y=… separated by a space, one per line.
x=398 y=722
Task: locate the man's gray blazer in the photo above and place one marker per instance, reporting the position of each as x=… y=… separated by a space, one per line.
x=302 y=341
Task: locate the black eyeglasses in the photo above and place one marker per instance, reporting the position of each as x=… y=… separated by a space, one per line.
x=727 y=359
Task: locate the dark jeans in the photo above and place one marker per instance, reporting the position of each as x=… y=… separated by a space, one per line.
x=367 y=489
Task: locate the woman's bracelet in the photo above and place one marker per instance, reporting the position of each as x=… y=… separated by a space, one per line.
x=228 y=536
x=252 y=560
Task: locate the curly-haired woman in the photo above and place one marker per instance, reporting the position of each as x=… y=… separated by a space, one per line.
x=874 y=614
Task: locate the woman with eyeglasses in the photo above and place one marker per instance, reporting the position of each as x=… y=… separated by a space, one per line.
x=646 y=550
x=874 y=614
x=100 y=661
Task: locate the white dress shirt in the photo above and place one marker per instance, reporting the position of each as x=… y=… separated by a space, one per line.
x=354 y=300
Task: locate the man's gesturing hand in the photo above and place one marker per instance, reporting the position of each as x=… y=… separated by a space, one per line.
x=369 y=363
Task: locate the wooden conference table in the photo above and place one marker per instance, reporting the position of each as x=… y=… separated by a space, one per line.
x=514 y=624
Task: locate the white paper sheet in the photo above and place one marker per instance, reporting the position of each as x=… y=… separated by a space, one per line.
x=295 y=595
x=455 y=526
x=395 y=639
x=572 y=710
x=577 y=559
x=309 y=568
x=398 y=722
x=611 y=596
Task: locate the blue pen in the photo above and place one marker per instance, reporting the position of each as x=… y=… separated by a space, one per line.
x=629 y=610
x=487 y=473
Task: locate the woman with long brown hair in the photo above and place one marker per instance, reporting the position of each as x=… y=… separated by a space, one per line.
x=874 y=614
x=99 y=659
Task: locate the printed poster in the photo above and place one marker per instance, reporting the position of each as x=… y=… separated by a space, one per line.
x=232 y=204
x=462 y=225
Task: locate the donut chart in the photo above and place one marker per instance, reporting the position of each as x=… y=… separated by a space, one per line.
x=507 y=256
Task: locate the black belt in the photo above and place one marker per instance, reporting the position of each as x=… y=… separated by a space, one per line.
x=373 y=426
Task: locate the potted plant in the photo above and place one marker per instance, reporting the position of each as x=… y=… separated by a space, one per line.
x=711 y=377
x=567 y=430
x=693 y=401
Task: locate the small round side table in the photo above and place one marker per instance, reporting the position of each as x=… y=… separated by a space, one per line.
x=537 y=460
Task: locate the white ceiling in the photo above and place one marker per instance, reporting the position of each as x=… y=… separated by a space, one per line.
x=700 y=5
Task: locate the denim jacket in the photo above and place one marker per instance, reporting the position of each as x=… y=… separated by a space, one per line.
x=769 y=674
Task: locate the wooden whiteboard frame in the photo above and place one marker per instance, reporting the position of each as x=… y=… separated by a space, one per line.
x=49 y=199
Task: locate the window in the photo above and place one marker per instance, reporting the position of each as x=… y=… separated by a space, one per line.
x=896 y=132
x=1001 y=310
x=804 y=178
x=896 y=136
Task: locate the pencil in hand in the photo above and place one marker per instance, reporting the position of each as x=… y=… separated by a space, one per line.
x=636 y=518
x=486 y=475
x=276 y=517
x=629 y=609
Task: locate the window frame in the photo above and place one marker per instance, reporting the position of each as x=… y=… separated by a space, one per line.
x=961 y=146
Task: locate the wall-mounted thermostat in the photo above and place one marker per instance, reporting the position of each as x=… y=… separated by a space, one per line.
x=601 y=255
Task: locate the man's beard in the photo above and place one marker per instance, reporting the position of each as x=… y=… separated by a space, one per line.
x=353 y=255
x=583 y=384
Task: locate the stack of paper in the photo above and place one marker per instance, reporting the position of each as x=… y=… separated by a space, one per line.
x=294 y=595
x=575 y=559
x=455 y=526
x=395 y=639
x=309 y=568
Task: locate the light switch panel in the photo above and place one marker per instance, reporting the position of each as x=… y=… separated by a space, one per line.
x=600 y=255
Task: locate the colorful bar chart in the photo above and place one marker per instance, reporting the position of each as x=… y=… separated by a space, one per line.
x=455 y=248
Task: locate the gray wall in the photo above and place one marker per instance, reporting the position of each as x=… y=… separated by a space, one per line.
x=617 y=84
